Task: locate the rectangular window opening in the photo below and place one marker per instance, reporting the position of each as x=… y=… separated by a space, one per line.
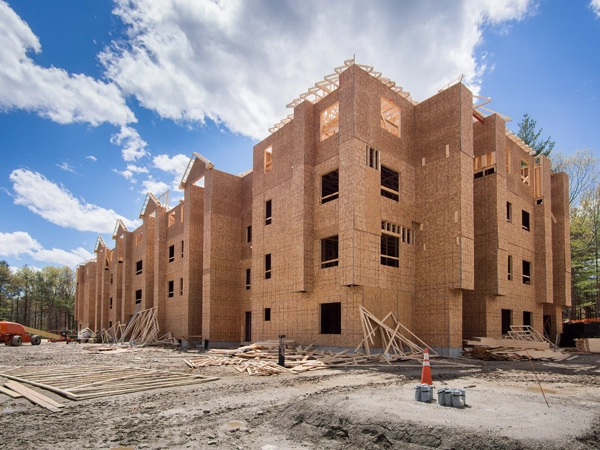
x=171 y=253
x=267 y=314
x=182 y=248
x=330 y=186
x=330 y=121
x=181 y=286
x=138 y=296
x=267 y=266
x=527 y=318
x=509 y=211
x=249 y=233
x=138 y=267
x=248 y=279
x=526 y=272
x=524 y=172
x=373 y=158
x=390 y=250
x=268 y=212
x=331 y=318
x=171 y=218
x=171 y=288
x=390 y=116
x=484 y=165
x=390 y=184
x=525 y=220
x=268 y=159
x=329 y=252
x=510 y=267
x=111 y=278
x=110 y=303
x=506 y=320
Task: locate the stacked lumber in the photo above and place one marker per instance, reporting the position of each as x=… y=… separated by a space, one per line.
x=588 y=345
x=529 y=334
x=143 y=329
x=15 y=389
x=395 y=338
x=512 y=350
x=261 y=358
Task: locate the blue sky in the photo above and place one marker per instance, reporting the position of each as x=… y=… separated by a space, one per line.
x=103 y=101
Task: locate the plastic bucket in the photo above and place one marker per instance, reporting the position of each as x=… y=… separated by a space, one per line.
x=426 y=393
x=448 y=397
x=441 y=396
x=458 y=398
x=418 y=392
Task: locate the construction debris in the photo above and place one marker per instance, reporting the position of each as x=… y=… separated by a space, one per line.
x=80 y=383
x=391 y=338
x=143 y=329
x=261 y=358
x=522 y=342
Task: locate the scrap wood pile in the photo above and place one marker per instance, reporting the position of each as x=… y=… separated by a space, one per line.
x=588 y=345
x=395 y=339
x=261 y=358
x=522 y=342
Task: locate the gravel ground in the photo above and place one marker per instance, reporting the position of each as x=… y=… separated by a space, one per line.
x=368 y=407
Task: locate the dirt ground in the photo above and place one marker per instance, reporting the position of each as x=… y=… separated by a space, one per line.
x=368 y=407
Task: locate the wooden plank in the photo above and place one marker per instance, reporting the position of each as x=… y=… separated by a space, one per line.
x=9 y=392
x=33 y=396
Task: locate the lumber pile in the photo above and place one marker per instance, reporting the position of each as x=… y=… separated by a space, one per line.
x=143 y=329
x=394 y=338
x=15 y=389
x=513 y=349
x=80 y=383
x=261 y=358
x=588 y=345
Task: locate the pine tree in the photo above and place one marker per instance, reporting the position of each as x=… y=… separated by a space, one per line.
x=527 y=133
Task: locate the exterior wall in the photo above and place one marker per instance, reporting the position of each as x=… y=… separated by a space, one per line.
x=452 y=280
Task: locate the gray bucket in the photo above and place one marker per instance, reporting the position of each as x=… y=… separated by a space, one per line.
x=426 y=391
x=418 y=392
x=441 y=396
x=448 y=397
x=458 y=398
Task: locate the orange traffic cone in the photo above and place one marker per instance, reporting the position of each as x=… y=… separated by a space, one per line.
x=426 y=373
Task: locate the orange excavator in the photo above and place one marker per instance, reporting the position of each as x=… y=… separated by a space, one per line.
x=15 y=334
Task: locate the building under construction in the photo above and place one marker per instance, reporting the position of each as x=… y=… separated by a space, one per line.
x=429 y=210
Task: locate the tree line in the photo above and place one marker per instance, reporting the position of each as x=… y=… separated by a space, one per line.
x=42 y=299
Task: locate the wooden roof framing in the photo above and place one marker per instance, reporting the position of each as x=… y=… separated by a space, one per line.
x=208 y=165
x=331 y=82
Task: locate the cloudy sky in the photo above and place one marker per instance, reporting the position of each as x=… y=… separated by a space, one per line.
x=103 y=101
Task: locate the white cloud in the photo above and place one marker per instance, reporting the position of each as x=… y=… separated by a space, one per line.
x=58 y=206
x=51 y=92
x=134 y=145
x=58 y=256
x=65 y=166
x=175 y=165
x=21 y=243
x=595 y=5
x=130 y=170
x=18 y=243
x=93 y=158
x=238 y=63
x=154 y=186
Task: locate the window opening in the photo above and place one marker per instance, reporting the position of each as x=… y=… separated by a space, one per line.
x=390 y=185
x=171 y=218
x=171 y=253
x=526 y=272
x=506 y=320
x=171 y=288
x=330 y=121
x=268 y=159
x=509 y=211
x=268 y=212
x=525 y=220
x=267 y=266
x=330 y=186
x=138 y=296
x=390 y=116
x=329 y=252
x=267 y=314
x=509 y=267
x=182 y=248
x=331 y=318
x=484 y=165
x=248 y=278
x=390 y=250
x=527 y=318
x=373 y=158
x=138 y=267
x=111 y=278
x=138 y=239
x=110 y=303
x=249 y=233
x=181 y=286
x=524 y=173
x=406 y=235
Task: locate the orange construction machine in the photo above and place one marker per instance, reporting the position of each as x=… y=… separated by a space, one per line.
x=15 y=334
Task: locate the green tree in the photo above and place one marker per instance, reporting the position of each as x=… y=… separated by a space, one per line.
x=531 y=137
x=582 y=169
x=5 y=290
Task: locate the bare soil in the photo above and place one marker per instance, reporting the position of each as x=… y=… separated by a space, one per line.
x=368 y=407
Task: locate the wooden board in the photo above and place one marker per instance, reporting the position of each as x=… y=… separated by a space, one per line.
x=33 y=396
x=10 y=392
